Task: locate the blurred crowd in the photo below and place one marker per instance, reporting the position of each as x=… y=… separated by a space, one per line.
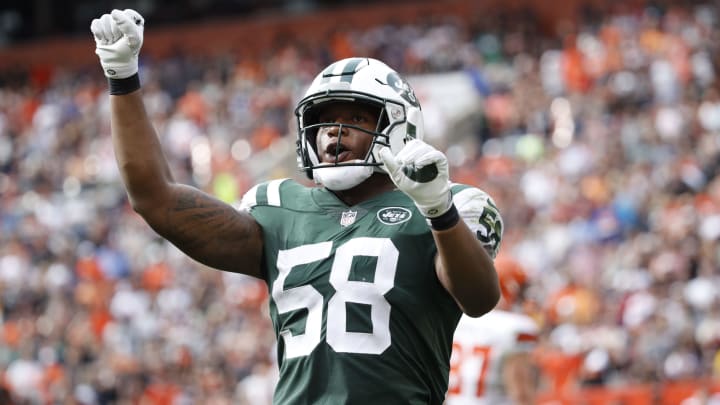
x=600 y=143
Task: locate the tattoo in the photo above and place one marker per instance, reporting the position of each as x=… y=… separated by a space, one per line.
x=209 y=230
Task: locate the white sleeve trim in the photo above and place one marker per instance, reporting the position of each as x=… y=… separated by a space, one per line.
x=249 y=200
x=273 y=192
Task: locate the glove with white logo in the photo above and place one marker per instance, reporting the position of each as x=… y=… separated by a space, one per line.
x=118 y=39
x=421 y=172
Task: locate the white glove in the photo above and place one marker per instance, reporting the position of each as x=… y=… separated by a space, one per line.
x=118 y=39
x=421 y=172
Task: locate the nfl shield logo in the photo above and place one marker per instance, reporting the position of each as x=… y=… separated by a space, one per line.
x=348 y=218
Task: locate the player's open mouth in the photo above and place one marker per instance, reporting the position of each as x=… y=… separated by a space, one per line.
x=336 y=153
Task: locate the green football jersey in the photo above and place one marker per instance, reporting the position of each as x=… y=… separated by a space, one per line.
x=356 y=304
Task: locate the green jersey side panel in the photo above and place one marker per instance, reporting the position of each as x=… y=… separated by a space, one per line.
x=355 y=301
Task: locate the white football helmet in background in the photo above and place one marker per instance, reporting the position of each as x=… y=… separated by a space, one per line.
x=362 y=80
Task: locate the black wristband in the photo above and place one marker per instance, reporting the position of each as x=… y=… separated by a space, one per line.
x=124 y=86
x=446 y=220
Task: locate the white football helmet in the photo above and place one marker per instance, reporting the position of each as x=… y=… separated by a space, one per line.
x=362 y=80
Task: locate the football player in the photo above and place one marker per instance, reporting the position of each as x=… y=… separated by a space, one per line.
x=491 y=361
x=369 y=272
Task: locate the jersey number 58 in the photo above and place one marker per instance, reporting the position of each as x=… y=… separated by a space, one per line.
x=346 y=290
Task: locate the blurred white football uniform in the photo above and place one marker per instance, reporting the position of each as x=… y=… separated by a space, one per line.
x=480 y=347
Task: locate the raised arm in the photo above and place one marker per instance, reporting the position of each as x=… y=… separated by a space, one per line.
x=466 y=249
x=463 y=266
x=205 y=228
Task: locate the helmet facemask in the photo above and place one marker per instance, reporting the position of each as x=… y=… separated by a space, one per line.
x=399 y=118
x=310 y=126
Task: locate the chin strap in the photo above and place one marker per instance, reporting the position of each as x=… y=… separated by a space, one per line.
x=341 y=177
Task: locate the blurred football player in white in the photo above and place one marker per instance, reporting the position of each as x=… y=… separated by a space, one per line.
x=491 y=361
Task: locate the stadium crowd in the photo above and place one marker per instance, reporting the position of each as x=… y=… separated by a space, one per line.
x=600 y=144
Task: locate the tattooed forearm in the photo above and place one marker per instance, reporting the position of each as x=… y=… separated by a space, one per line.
x=211 y=231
